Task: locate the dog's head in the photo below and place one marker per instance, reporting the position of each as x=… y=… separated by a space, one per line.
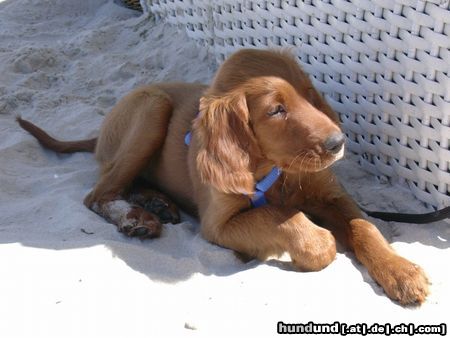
x=247 y=117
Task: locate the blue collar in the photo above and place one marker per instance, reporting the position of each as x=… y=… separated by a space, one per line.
x=187 y=138
x=259 y=198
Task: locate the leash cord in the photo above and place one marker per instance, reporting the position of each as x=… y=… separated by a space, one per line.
x=410 y=218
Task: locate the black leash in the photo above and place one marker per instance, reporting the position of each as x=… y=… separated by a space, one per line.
x=410 y=218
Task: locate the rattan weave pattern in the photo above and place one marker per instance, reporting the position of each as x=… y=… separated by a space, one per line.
x=384 y=65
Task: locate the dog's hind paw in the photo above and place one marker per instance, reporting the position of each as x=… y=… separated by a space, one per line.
x=165 y=212
x=131 y=220
x=140 y=223
x=156 y=203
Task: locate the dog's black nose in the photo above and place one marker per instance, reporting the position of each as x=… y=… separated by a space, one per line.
x=334 y=143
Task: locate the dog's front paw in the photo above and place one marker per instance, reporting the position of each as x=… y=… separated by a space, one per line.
x=402 y=280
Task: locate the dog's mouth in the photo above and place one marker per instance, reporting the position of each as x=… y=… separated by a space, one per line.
x=311 y=162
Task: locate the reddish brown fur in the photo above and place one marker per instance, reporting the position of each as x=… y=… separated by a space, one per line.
x=235 y=143
x=49 y=142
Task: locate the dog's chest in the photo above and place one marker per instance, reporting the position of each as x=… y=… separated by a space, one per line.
x=297 y=190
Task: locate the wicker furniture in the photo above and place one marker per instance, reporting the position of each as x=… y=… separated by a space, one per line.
x=384 y=65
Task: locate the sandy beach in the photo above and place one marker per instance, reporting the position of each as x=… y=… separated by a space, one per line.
x=66 y=272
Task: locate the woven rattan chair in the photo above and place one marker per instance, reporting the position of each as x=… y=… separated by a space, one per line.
x=383 y=65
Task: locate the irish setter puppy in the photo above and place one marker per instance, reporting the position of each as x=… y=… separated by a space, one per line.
x=261 y=112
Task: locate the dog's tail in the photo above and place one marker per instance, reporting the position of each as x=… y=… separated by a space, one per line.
x=58 y=146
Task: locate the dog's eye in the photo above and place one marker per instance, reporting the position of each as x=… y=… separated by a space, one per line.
x=279 y=110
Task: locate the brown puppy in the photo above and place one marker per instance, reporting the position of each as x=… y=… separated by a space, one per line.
x=261 y=111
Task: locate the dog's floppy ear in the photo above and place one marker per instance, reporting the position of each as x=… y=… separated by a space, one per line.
x=225 y=143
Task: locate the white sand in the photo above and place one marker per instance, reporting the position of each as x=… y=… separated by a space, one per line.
x=63 y=64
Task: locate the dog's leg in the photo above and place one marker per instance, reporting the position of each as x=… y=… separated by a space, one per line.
x=109 y=201
x=401 y=279
x=271 y=231
x=131 y=134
